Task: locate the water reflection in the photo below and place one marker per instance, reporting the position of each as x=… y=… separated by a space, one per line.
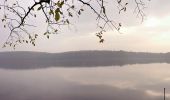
x=132 y=82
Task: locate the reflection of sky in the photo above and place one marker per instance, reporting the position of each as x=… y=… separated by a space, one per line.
x=101 y=83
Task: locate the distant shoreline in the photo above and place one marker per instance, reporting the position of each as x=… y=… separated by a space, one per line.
x=34 y=60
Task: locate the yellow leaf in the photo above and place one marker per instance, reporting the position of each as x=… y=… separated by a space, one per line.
x=57 y=15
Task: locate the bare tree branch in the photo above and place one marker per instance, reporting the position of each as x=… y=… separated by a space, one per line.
x=58 y=13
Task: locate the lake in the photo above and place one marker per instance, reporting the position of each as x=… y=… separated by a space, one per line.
x=129 y=82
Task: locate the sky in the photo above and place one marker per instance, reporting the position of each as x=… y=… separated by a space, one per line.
x=151 y=35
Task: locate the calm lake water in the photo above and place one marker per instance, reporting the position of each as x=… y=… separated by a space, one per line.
x=130 y=82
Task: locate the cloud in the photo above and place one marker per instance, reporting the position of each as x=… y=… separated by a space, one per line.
x=151 y=35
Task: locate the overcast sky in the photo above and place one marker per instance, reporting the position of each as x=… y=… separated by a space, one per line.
x=153 y=35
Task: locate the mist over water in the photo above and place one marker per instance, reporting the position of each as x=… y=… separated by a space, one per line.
x=132 y=82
